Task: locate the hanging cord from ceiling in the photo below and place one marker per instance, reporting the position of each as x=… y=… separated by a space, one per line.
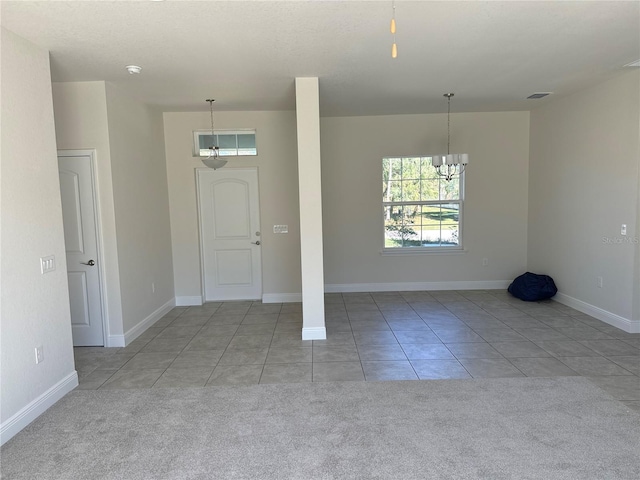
x=394 y=47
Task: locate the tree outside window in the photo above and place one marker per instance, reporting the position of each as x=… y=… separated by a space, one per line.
x=421 y=209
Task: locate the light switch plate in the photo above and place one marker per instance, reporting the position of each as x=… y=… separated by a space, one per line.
x=623 y=229
x=47 y=264
x=39 y=354
x=281 y=229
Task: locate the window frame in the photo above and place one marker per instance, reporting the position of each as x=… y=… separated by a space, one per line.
x=236 y=131
x=425 y=250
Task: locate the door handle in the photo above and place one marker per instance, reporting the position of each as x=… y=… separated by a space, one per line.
x=256 y=243
x=91 y=263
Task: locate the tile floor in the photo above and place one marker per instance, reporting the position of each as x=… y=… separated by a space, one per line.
x=371 y=336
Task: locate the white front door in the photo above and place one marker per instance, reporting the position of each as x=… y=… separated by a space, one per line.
x=81 y=243
x=230 y=233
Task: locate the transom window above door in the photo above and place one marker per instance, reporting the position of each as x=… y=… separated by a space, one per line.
x=421 y=210
x=231 y=143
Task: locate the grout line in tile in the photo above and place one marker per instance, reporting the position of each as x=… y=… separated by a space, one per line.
x=438 y=305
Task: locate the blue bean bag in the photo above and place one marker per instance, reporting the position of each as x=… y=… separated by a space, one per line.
x=532 y=287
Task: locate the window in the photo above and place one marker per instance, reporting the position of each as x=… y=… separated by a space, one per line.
x=230 y=142
x=421 y=209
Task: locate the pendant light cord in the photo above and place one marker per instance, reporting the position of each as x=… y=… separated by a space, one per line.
x=211 y=110
x=394 y=47
x=213 y=150
x=449 y=95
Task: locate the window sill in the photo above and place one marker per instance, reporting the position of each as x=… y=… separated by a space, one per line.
x=422 y=251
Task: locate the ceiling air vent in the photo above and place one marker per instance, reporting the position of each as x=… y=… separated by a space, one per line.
x=633 y=64
x=538 y=95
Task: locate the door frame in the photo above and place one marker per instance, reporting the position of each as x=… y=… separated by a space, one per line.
x=102 y=281
x=198 y=171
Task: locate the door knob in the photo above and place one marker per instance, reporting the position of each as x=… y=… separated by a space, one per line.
x=91 y=263
x=256 y=243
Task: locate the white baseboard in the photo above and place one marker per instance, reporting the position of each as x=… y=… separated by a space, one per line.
x=189 y=301
x=37 y=407
x=115 y=341
x=415 y=286
x=629 y=326
x=135 y=331
x=281 y=298
x=314 y=333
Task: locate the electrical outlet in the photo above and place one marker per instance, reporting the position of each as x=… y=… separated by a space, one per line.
x=153 y=287
x=599 y=282
x=623 y=229
x=485 y=262
x=39 y=355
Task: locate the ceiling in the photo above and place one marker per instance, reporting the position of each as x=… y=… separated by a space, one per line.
x=246 y=54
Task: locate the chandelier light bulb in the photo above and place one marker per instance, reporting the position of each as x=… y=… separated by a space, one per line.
x=452 y=164
x=394 y=51
x=393 y=25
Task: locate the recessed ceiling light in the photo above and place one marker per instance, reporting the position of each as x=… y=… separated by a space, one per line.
x=133 y=69
x=633 y=64
x=538 y=95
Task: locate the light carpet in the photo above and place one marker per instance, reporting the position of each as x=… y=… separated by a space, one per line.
x=509 y=428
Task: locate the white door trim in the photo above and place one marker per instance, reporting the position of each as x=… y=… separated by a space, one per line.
x=102 y=281
x=203 y=293
x=198 y=171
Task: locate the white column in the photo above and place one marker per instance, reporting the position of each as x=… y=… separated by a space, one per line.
x=310 y=192
x=636 y=276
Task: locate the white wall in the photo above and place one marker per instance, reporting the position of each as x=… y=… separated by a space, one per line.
x=278 y=184
x=141 y=208
x=636 y=277
x=35 y=307
x=583 y=185
x=80 y=110
x=495 y=209
x=134 y=206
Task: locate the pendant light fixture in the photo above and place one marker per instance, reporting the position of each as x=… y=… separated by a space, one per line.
x=451 y=164
x=213 y=160
x=394 y=47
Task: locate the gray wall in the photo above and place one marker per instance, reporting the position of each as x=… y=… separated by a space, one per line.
x=34 y=307
x=80 y=110
x=278 y=184
x=132 y=187
x=352 y=149
x=495 y=208
x=141 y=206
x=583 y=186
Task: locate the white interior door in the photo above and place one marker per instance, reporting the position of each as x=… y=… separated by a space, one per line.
x=80 y=236
x=230 y=233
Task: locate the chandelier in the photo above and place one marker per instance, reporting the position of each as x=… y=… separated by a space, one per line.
x=451 y=164
x=213 y=160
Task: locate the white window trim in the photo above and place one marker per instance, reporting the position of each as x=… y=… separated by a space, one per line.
x=439 y=250
x=238 y=131
x=427 y=250
x=422 y=251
